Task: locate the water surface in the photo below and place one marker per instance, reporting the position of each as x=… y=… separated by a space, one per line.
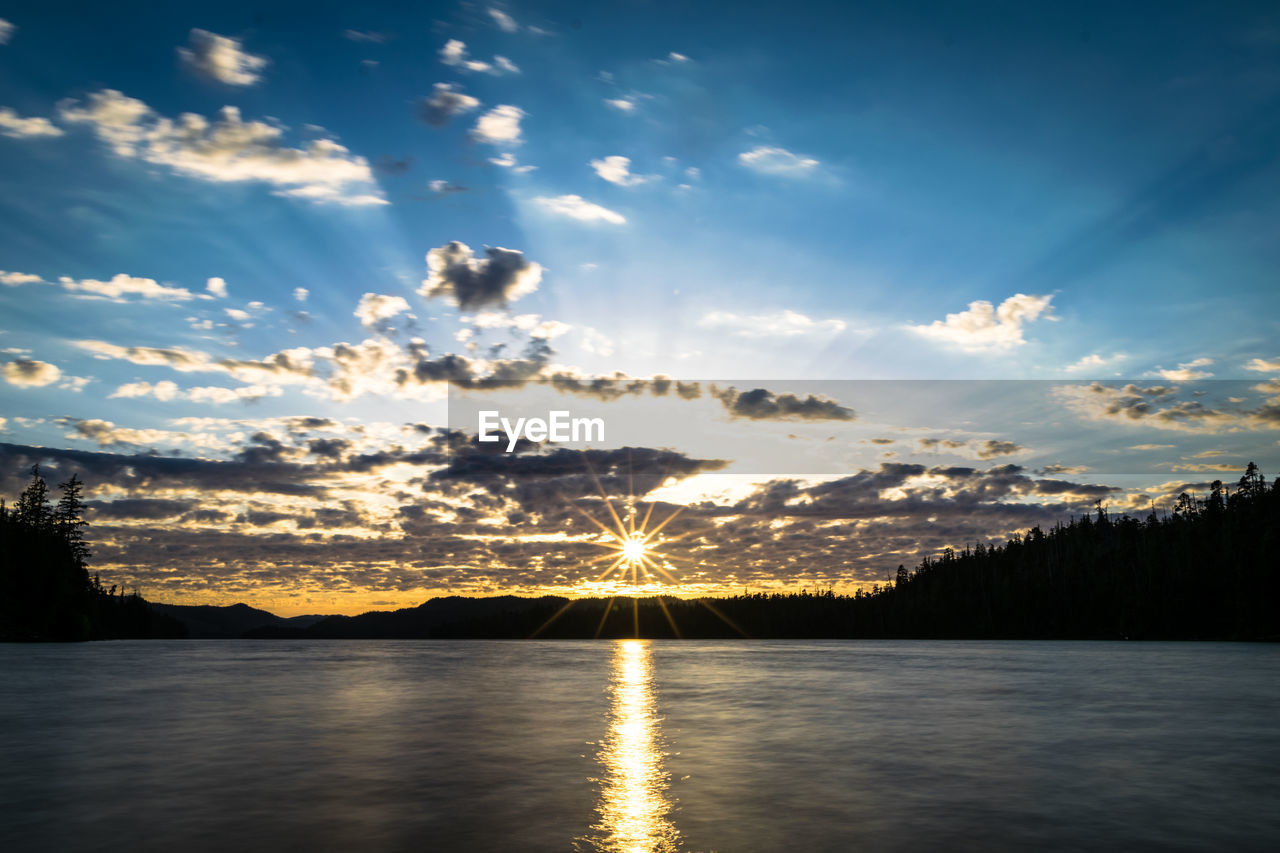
x=639 y=746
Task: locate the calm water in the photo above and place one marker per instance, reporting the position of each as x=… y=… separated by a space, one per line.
x=634 y=746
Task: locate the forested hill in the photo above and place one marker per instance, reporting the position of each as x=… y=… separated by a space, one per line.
x=1209 y=570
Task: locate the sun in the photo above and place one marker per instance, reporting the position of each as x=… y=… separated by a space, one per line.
x=634 y=548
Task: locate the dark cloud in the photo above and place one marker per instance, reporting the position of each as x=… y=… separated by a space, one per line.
x=503 y=275
x=388 y=165
x=760 y=404
x=445 y=103
x=991 y=448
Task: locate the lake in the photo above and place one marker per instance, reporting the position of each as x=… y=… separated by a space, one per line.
x=639 y=746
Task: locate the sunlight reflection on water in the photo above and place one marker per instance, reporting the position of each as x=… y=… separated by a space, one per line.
x=633 y=804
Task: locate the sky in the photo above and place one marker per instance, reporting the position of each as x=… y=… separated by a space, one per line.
x=850 y=283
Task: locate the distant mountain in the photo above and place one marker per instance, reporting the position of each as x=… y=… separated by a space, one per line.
x=206 y=621
x=452 y=616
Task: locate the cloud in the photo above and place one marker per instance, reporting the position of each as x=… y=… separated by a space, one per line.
x=122 y=285
x=504 y=22
x=770 y=160
x=617 y=170
x=454 y=54
x=13 y=279
x=301 y=294
x=222 y=59
x=625 y=105
x=376 y=308
x=1156 y=406
x=16 y=127
x=983 y=327
x=454 y=272
x=228 y=150
x=1186 y=372
x=444 y=187
x=761 y=404
x=365 y=36
x=499 y=126
x=991 y=448
x=29 y=373
x=166 y=391
x=507 y=160
x=1094 y=362
x=576 y=207
x=7 y=30
x=1263 y=365
x=784 y=324
x=445 y=103
x=216 y=287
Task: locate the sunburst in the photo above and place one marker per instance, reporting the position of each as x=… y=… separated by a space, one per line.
x=633 y=548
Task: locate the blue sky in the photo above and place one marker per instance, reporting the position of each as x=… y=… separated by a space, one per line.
x=722 y=192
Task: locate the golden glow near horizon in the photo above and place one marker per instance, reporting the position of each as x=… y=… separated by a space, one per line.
x=633 y=804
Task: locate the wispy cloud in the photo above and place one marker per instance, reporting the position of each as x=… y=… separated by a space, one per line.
x=771 y=160
x=1094 y=361
x=445 y=102
x=576 y=207
x=454 y=54
x=227 y=150
x=16 y=127
x=1188 y=372
x=782 y=324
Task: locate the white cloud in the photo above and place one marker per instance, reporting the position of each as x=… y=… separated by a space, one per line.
x=983 y=327
x=237 y=314
x=1094 y=361
x=6 y=31
x=576 y=207
x=123 y=285
x=163 y=391
x=505 y=22
x=625 y=105
x=617 y=170
x=216 y=287
x=1260 y=364
x=301 y=294
x=1186 y=372
x=16 y=127
x=784 y=324
x=454 y=54
x=377 y=307
x=227 y=150
x=13 y=279
x=771 y=160
x=29 y=373
x=507 y=160
x=218 y=395
x=222 y=59
x=501 y=125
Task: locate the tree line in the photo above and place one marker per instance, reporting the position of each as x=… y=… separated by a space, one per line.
x=46 y=592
